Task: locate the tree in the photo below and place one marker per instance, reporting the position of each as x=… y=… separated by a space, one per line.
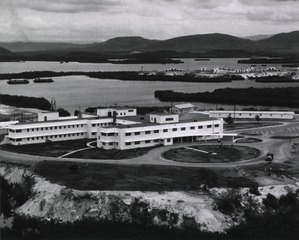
x=63 y=113
x=77 y=112
x=229 y=120
x=257 y=118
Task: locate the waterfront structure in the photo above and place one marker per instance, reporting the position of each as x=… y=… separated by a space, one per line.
x=252 y=114
x=183 y=108
x=119 y=128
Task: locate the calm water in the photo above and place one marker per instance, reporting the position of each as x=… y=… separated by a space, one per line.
x=189 y=64
x=72 y=92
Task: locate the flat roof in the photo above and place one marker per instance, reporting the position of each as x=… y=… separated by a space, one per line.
x=239 y=111
x=185 y=105
x=158 y=124
x=61 y=120
x=118 y=108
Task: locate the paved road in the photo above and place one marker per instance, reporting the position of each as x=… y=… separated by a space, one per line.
x=276 y=146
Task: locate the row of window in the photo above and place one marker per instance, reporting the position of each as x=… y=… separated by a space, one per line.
x=47 y=128
x=47 y=137
x=109 y=134
x=173 y=130
x=146 y=141
x=101 y=124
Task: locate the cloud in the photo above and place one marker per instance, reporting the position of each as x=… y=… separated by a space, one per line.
x=98 y=20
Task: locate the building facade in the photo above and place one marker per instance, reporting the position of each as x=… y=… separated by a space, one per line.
x=252 y=114
x=116 y=128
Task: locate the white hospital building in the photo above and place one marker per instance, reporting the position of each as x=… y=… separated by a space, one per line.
x=117 y=128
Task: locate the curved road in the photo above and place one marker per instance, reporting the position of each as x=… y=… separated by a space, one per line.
x=154 y=156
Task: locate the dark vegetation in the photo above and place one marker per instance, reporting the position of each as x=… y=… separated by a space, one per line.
x=14 y=195
x=287 y=97
x=278 y=79
x=147 y=61
x=279 y=220
x=135 y=177
x=25 y=102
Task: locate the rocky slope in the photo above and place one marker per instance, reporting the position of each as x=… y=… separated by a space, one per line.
x=172 y=209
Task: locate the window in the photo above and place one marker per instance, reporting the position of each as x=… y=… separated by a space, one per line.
x=42 y=129
x=156 y=131
x=216 y=125
x=147 y=141
x=128 y=134
x=156 y=140
x=165 y=130
x=33 y=129
x=55 y=127
x=19 y=140
x=174 y=129
x=209 y=126
x=128 y=144
x=27 y=130
x=93 y=134
x=110 y=134
x=137 y=143
x=18 y=131
x=183 y=128
x=111 y=144
x=192 y=128
x=199 y=127
x=137 y=133
x=104 y=134
x=168 y=140
x=93 y=125
x=147 y=132
x=99 y=138
x=169 y=119
x=131 y=110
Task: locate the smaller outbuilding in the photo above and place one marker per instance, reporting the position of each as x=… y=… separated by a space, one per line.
x=183 y=108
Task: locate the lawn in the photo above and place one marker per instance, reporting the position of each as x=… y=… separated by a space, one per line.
x=51 y=149
x=97 y=153
x=246 y=125
x=223 y=154
x=96 y=176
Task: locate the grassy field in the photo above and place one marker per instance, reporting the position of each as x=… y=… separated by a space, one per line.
x=246 y=125
x=97 y=176
x=97 y=153
x=248 y=140
x=223 y=154
x=52 y=149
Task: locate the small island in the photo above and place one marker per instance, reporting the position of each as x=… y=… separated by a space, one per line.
x=283 y=97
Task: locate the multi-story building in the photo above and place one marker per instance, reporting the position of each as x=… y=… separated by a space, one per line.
x=159 y=129
x=119 y=128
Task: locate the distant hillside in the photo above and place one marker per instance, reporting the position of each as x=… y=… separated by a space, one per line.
x=282 y=41
x=202 y=43
x=123 y=44
x=258 y=37
x=5 y=55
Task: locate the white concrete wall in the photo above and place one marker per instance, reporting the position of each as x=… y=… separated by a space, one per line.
x=47 y=116
x=167 y=118
x=145 y=136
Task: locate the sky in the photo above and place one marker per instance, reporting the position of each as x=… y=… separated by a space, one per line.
x=99 y=20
